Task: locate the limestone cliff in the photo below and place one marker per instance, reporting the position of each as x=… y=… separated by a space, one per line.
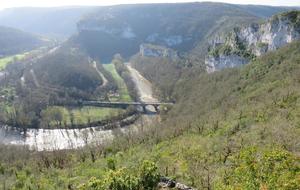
x=149 y=50
x=243 y=44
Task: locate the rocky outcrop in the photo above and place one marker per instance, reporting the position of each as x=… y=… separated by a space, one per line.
x=166 y=183
x=149 y=50
x=243 y=44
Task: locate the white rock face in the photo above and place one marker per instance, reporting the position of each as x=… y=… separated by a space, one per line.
x=223 y=61
x=256 y=39
x=123 y=32
x=128 y=33
x=149 y=50
x=268 y=36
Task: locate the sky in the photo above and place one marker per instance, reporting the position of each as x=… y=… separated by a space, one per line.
x=55 y=3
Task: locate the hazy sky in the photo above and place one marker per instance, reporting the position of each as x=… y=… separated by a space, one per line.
x=51 y=3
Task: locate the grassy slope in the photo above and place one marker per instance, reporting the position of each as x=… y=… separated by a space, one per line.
x=209 y=134
x=7 y=60
x=222 y=116
x=124 y=95
x=82 y=115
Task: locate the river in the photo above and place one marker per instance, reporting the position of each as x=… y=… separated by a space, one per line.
x=59 y=139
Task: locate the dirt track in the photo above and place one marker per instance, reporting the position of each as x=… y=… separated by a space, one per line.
x=143 y=85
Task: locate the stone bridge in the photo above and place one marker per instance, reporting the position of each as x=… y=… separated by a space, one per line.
x=125 y=105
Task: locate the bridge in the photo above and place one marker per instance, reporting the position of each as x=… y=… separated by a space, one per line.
x=125 y=105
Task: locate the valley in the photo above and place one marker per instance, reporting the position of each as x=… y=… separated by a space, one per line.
x=171 y=96
x=60 y=139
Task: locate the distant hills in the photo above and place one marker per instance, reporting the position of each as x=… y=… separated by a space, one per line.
x=58 y=22
x=105 y=31
x=183 y=27
x=13 y=41
x=237 y=128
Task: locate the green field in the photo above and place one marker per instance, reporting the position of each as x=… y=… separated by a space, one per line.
x=82 y=115
x=7 y=60
x=123 y=91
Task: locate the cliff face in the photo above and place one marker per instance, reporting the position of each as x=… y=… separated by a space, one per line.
x=149 y=50
x=181 y=27
x=243 y=44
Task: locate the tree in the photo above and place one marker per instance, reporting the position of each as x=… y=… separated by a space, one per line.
x=123 y=179
x=262 y=169
x=149 y=176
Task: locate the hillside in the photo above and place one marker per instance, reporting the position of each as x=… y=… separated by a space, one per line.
x=265 y=11
x=182 y=27
x=236 y=128
x=60 y=76
x=121 y=29
x=88 y=125
x=57 y=22
x=13 y=41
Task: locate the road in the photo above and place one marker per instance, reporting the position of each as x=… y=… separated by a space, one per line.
x=144 y=87
x=105 y=81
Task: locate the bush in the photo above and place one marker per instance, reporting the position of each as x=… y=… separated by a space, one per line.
x=149 y=176
x=124 y=179
x=268 y=169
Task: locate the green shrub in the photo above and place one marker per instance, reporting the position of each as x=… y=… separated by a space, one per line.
x=268 y=169
x=149 y=176
x=124 y=179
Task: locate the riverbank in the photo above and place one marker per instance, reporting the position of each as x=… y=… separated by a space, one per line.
x=60 y=139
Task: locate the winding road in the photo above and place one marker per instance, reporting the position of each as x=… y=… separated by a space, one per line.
x=105 y=81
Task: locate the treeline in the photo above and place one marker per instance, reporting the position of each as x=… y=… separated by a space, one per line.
x=56 y=115
x=125 y=74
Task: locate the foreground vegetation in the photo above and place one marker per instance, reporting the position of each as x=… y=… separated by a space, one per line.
x=234 y=129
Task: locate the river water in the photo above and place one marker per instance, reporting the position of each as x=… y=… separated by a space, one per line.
x=55 y=139
x=59 y=139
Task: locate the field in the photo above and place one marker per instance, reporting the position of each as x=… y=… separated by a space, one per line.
x=7 y=60
x=123 y=91
x=81 y=116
